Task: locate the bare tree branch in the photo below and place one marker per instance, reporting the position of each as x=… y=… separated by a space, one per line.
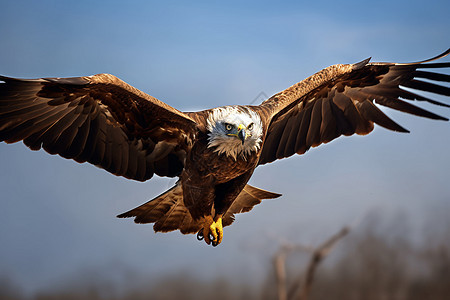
x=280 y=272
x=316 y=258
x=280 y=265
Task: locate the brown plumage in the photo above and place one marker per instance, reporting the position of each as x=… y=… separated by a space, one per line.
x=104 y=121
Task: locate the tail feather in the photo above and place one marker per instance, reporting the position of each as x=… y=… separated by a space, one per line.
x=153 y=210
x=247 y=199
x=168 y=212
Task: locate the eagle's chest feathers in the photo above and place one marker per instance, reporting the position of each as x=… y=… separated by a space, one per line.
x=207 y=162
x=226 y=168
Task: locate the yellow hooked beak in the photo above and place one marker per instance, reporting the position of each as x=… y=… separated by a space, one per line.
x=242 y=134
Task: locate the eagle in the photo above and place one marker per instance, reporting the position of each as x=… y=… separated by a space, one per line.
x=102 y=120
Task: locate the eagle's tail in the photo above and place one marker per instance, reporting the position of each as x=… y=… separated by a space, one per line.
x=168 y=213
x=249 y=197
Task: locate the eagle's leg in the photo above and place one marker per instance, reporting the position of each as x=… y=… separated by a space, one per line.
x=212 y=230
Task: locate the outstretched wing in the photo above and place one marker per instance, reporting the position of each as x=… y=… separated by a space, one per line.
x=97 y=119
x=339 y=100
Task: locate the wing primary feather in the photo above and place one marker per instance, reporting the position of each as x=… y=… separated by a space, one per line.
x=328 y=127
x=13 y=129
x=91 y=136
x=283 y=146
x=343 y=126
x=300 y=144
x=412 y=96
x=53 y=133
x=43 y=123
x=432 y=76
x=409 y=108
x=372 y=113
x=434 y=65
x=427 y=87
x=65 y=139
x=100 y=142
x=275 y=139
x=313 y=136
x=78 y=145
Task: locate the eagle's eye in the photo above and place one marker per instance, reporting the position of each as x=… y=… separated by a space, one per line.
x=228 y=127
x=250 y=127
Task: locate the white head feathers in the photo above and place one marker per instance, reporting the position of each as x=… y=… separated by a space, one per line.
x=223 y=120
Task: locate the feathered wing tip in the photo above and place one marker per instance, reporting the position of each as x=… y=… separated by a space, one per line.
x=168 y=213
x=420 y=81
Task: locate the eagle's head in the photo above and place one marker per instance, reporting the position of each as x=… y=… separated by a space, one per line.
x=234 y=131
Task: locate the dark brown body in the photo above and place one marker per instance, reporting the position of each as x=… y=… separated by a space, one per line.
x=217 y=184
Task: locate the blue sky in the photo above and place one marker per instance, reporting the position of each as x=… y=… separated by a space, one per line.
x=58 y=217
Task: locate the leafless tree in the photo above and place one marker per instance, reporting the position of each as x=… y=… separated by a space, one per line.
x=302 y=286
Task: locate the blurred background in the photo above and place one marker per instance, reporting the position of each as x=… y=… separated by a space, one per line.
x=59 y=237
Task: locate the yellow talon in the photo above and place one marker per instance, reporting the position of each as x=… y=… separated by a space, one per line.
x=217 y=231
x=212 y=231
